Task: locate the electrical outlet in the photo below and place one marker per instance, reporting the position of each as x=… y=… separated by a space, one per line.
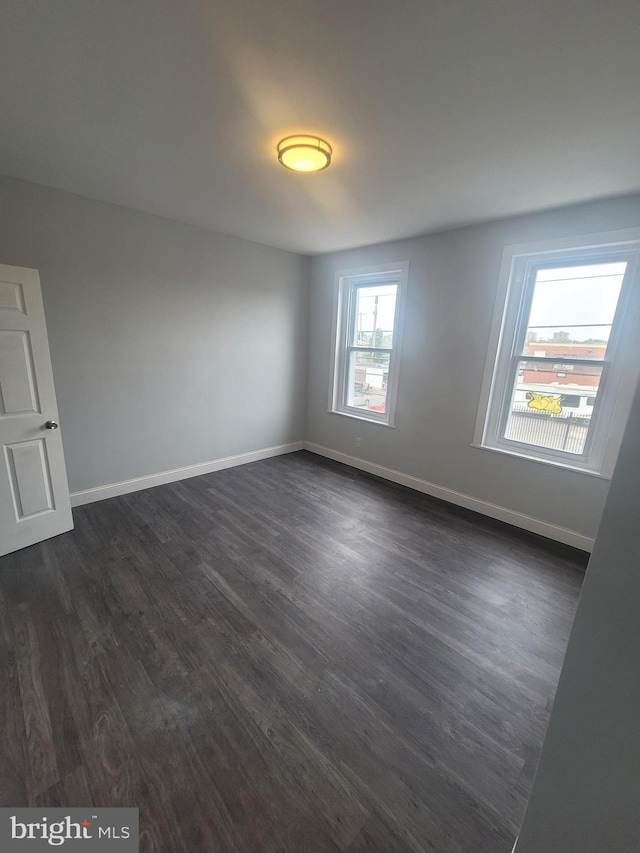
x=358 y=441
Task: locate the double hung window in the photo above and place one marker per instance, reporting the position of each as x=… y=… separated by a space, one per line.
x=366 y=359
x=566 y=357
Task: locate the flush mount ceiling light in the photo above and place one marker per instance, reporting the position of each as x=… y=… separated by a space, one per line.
x=304 y=153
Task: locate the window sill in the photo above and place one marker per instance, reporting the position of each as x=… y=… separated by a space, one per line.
x=361 y=418
x=553 y=462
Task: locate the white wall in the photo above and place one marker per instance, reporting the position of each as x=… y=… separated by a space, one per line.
x=171 y=345
x=453 y=279
x=586 y=794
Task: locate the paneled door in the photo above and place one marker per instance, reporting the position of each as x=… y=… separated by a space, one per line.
x=34 y=495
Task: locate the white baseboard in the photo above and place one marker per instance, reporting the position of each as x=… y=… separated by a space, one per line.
x=112 y=490
x=526 y=522
x=517 y=519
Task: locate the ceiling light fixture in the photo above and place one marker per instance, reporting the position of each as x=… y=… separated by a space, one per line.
x=304 y=153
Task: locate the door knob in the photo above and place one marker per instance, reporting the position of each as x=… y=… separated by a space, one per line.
x=51 y=425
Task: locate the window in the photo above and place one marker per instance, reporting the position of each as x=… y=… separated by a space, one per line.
x=366 y=354
x=563 y=359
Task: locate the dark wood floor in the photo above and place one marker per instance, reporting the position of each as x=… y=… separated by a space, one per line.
x=286 y=656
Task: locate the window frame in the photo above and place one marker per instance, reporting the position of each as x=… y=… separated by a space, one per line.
x=347 y=284
x=620 y=366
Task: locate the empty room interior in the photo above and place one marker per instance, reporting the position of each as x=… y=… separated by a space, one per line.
x=320 y=426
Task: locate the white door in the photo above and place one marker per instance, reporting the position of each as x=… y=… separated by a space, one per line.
x=34 y=495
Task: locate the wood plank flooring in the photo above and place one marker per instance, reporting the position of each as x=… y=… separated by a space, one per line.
x=286 y=656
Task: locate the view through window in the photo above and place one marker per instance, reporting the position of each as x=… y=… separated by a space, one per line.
x=558 y=364
x=365 y=370
x=371 y=346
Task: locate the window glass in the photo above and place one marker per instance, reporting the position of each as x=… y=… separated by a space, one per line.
x=375 y=309
x=549 y=413
x=570 y=315
x=367 y=380
x=572 y=310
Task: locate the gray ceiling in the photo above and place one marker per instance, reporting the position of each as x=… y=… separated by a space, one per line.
x=441 y=112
